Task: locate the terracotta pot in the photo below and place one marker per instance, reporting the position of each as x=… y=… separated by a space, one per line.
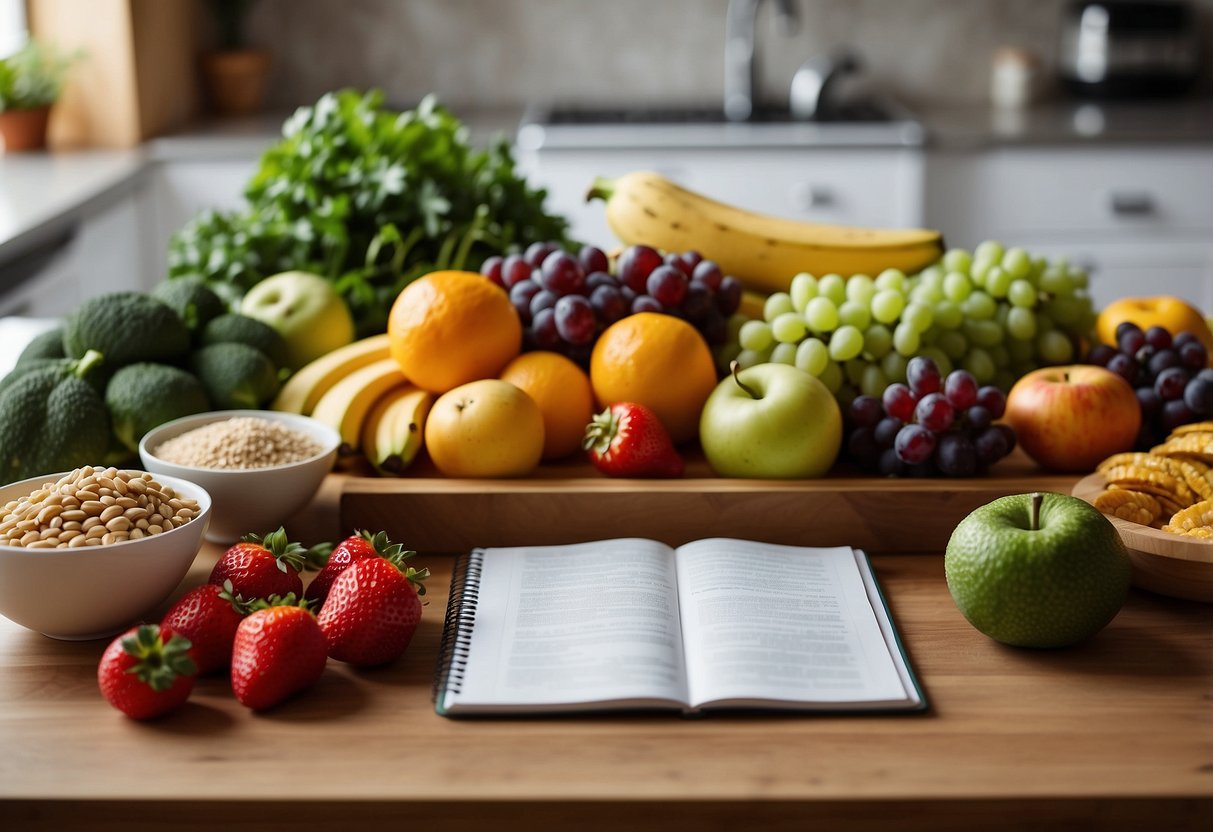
x=236 y=80
x=23 y=129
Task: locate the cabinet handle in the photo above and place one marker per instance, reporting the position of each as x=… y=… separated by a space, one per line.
x=1086 y=264
x=1131 y=203
x=807 y=196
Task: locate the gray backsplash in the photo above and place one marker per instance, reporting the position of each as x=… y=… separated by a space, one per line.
x=505 y=53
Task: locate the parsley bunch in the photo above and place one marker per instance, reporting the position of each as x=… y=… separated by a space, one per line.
x=371 y=199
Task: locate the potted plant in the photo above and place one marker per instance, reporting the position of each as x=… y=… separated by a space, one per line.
x=236 y=73
x=30 y=82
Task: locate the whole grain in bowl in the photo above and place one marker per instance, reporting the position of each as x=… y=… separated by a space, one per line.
x=93 y=507
x=241 y=442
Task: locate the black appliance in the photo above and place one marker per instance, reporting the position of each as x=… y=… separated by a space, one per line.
x=1129 y=48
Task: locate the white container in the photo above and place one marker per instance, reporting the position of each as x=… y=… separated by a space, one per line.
x=96 y=591
x=1013 y=78
x=248 y=499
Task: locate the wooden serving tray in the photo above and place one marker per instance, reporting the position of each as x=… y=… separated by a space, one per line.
x=572 y=502
x=1166 y=563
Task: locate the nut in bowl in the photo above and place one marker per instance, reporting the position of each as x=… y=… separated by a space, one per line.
x=95 y=589
x=260 y=467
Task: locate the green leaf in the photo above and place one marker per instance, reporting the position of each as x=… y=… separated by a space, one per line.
x=370 y=198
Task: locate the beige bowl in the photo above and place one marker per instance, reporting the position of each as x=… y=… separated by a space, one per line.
x=97 y=591
x=1169 y=564
x=251 y=499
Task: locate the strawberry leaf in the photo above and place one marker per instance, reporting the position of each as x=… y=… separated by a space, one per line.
x=317 y=557
x=158 y=664
x=601 y=432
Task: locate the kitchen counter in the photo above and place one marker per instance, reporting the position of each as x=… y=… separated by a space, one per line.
x=41 y=194
x=1113 y=734
x=1063 y=122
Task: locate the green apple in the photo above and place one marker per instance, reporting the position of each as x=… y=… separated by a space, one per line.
x=306 y=311
x=1037 y=570
x=770 y=421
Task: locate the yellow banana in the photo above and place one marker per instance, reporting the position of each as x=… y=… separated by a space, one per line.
x=392 y=433
x=345 y=405
x=763 y=252
x=303 y=390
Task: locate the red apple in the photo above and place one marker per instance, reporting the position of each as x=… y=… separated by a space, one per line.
x=1072 y=418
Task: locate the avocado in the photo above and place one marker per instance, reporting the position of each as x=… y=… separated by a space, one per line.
x=126 y=327
x=241 y=329
x=145 y=395
x=47 y=345
x=194 y=303
x=235 y=376
x=51 y=420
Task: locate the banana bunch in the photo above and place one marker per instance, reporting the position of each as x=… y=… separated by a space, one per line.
x=763 y=252
x=360 y=392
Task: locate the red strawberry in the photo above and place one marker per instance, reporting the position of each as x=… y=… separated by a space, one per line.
x=278 y=651
x=359 y=546
x=261 y=567
x=208 y=616
x=628 y=440
x=147 y=671
x=373 y=609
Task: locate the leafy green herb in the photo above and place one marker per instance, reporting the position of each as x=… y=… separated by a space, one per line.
x=371 y=199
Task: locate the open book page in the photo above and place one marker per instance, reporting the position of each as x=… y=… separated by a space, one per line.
x=766 y=624
x=575 y=625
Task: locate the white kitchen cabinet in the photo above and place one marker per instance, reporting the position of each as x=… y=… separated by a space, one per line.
x=101 y=252
x=868 y=186
x=1130 y=268
x=1139 y=218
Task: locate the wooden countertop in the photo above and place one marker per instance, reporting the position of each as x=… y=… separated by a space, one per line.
x=1116 y=734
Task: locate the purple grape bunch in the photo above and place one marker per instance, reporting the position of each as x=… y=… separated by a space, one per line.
x=1169 y=374
x=931 y=426
x=566 y=300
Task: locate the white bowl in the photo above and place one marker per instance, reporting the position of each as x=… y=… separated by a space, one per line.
x=96 y=591
x=248 y=499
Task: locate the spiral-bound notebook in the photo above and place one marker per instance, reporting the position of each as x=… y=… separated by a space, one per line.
x=635 y=624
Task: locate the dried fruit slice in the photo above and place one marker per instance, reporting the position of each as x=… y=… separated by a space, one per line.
x=1200 y=514
x=1134 y=506
x=1175 y=466
x=1194 y=427
x=1152 y=481
x=1199 y=445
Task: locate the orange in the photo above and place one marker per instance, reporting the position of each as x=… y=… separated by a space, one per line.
x=562 y=391
x=659 y=361
x=448 y=328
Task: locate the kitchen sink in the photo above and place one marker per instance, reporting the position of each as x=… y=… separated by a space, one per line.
x=866 y=122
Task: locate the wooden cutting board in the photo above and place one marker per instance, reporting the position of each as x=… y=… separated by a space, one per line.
x=572 y=502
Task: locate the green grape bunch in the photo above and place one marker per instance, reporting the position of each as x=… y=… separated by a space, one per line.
x=998 y=313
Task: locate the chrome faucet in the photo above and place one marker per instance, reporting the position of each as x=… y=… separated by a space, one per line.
x=740 y=71
x=807 y=99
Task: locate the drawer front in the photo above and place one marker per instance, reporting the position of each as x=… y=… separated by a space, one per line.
x=874 y=188
x=1043 y=191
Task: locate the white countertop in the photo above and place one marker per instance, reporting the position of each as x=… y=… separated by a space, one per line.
x=16 y=333
x=41 y=192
